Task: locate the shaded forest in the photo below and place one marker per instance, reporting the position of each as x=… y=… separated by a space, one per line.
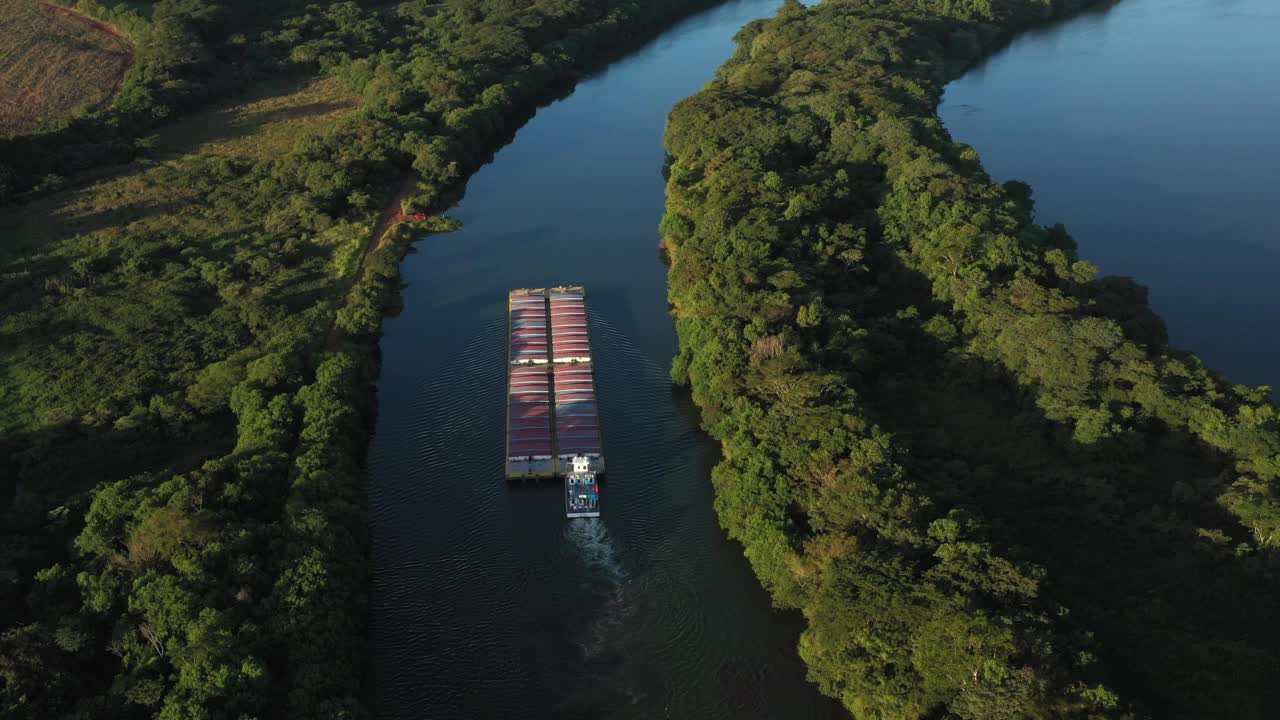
x=978 y=469
x=181 y=457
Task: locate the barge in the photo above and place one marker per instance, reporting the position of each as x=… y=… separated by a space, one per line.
x=553 y=423
x=530 y=445
x=577 y=417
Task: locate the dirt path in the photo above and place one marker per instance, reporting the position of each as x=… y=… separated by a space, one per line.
x=392 y=215
x=104 y=27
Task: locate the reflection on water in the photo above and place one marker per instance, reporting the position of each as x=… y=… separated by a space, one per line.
x=1149 y=130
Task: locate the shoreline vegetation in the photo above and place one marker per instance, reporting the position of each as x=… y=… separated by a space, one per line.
x=977 y=469
x=181 y=451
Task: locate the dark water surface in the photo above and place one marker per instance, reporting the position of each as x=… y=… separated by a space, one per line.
x=487 y=602
x=1152 y=130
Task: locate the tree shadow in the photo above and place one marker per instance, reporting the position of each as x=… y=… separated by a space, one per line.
x=47 y=475
x=121 y=217
x=228 y=123
x=1093 y=12
x=1135 y=545
x=596 y=62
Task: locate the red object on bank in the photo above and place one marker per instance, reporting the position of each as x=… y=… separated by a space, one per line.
x=420 y=216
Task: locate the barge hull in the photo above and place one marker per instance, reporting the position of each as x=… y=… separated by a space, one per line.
x=577 y=416
x=552 y=416
x=530 y=430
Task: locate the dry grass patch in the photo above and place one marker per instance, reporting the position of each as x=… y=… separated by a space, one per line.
x=53 y=61
x=264 y=123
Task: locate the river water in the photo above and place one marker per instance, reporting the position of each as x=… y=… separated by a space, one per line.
x=487 y=602
x=1150 y=130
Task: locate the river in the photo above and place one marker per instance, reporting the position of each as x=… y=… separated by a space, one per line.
x=1149 y=130
x=486 y=601
x=1146 y=127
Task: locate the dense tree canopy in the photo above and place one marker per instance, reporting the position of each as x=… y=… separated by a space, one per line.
x=181 y=447
x=981 y=473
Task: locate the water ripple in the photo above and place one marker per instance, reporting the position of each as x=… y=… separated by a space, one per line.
x=486 y=601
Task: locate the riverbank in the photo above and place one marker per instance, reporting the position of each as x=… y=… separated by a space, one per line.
x=920 y=394
x=651 y=612
x=1175 y=199
x=170 y=394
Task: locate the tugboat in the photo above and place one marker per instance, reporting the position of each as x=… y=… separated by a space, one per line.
x=581 y=490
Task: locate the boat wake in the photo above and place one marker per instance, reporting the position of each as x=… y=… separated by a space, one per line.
x=597 y=552
x=606 y=579
x=609 y=678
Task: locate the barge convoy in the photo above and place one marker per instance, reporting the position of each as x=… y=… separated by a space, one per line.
x=553 y=423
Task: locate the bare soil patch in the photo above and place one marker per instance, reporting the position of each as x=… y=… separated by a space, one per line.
x=53 y=61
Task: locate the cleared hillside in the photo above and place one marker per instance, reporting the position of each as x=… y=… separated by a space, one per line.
x=53 y=61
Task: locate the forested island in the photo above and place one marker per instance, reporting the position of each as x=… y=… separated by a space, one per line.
x=979 y=470
x=188 y=342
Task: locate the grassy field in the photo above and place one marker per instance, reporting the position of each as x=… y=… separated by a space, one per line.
x=53 y=61
x=264 y=122
x=151 y=199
